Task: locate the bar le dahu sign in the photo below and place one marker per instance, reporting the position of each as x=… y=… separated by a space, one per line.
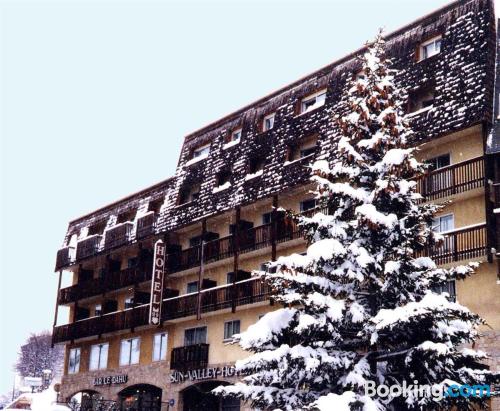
x=157 y=283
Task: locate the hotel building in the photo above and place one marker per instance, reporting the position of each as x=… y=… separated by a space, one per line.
x=216 y=222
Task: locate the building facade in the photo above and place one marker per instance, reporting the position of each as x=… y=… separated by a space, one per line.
x=216 y=221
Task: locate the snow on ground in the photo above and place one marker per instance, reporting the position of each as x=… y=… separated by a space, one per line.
x=40 y=401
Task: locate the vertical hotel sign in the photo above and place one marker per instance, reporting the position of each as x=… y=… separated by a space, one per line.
x=157 y=283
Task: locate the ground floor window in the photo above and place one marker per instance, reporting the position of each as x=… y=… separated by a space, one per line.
x=142 y=397
x=199 y=397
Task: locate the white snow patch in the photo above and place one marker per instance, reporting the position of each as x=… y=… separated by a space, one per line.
x=256 y=174
x=222 y=187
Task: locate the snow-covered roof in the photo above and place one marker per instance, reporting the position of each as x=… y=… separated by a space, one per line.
x=462 y=75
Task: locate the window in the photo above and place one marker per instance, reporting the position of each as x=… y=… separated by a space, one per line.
x=196 y=335
x=305 y=147
x=74 y=361
x=126 y=216
x=313 y=101
x=256 y=164
x=447 y=287
x=360 y=75
x=268 y=122
x=421 y=99
x=97 y=310
x=189 y=193
x=438 y=182
x=99 y=357
x=155 y=205
x=266 y=218
x=235 y=136
x=231 y=328
x=192 y=287
x=443 y=223
x=160 y=347
x=223 y=177
x=201 y=151
x=129 y=302
x=438 y=162
x=130 y=350
x=132 y=262
x=97 y=228
x=430 y=48
x=307 y=205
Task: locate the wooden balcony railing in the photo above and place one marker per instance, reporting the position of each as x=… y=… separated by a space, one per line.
x=145 y=225
x=214 y=299
x=453 y=179
x=189 y=357
x=118 y=235
x=88 y=247
x=120 y=320
x=463 y=244
x=65 y=257
x=446 y=181
x=111 y=281
x=218 y=298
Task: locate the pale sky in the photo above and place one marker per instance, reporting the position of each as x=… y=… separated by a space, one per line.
x=96 y=96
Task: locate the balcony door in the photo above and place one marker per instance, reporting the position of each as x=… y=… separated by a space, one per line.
x=194 y=336
x=444 y=224
x=438 y=182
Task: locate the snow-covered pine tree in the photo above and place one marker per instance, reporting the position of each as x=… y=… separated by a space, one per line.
x=359 y=306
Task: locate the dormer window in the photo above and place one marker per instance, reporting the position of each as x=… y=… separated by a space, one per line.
x=201 y=151
x=305 y=147
x=429 y=48
x=360 y=75
x=155 y=205
x=189 y=193
x=313 y=101
x=126 y=216
x=97 y=228
x=223 y=177
x=256 y=164
x=235 y=136
x=268 y=122
x=421 y=99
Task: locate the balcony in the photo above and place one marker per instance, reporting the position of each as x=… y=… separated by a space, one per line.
x=454 y=179
x=118 y=235
x=213 y=299
x=120 y=320
x=65 y=257
x=88 y=247
x=111 y=281
x=217 y=298
x=189 y=357
x=146 y=225
x=463 y=244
